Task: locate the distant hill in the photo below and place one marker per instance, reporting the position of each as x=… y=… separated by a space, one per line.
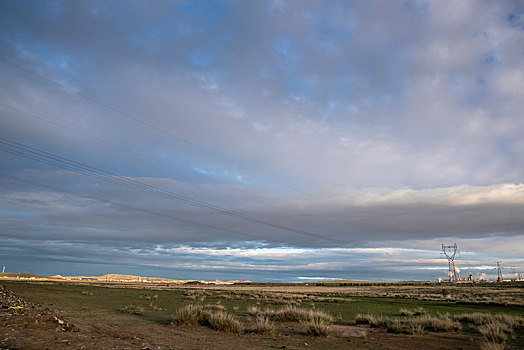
x=342 y=281
x=15 y=275
x=115 y=277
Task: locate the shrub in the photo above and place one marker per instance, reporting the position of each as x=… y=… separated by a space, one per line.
x=441 y=323
x=291 y=314
x=406 y=312
x=318 y=328
x=419 y=312
x=436 y=323
x=253 y=310
x=495 y=332
x=479 y=318
x=474 y=317
x=320 y=315
x=189 y=314
x=223 y=321
x=207 y=316
x=294 y=314
x=396 y=326
x=511 y=321
x=416 y=329
x=401 y=327
x=372 y=320
x=492 y=346
x=214 y=307
x=264 y=325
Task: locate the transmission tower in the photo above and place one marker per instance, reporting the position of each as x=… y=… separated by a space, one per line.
x=499 y=272
x=514 y=275
x=450 y=251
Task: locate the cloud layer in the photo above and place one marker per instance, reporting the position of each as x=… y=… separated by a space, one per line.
x=367 y=125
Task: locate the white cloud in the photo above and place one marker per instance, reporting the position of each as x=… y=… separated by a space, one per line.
x=511 y=82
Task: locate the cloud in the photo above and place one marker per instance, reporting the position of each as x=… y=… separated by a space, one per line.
x=359 y=122
x=348 y=215
x=184 y=262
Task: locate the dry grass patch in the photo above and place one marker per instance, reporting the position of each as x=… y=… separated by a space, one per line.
x=474 y=317
x=372 y=320
x=410 y=325
x=406 y=312
x=253 y=310
x=263 y=325
x=436 y=323
x=495 y=334
x=511 y=321
x=295 y=314
x=479 y=318
x=318 y=328
x=189 y=314
x=416 y=312
x=492 y=346
x=214 y=307
x=222 y=321
x=209 y=316
x=320 y=315
x=401 y=327
x=133 y=309
x=495 y=331
x=291 y=314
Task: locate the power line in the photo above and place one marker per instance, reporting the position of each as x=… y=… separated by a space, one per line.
x=34 y=116
x=92 y=197
x=149 y=125
x=29 y=152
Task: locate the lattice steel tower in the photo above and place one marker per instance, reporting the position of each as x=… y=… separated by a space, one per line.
x=499 y=272
x=450 y=251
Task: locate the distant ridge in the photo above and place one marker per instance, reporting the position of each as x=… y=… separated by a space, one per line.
x=23 y=275
x=115 y=277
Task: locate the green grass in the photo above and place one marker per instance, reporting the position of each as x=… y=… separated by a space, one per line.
x=87 y=299
x=391 y=307
x=102 y=299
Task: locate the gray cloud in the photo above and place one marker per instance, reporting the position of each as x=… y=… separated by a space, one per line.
x=368 y=123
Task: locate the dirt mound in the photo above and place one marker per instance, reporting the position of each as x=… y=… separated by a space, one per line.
x=11 y=304
x=9 y=300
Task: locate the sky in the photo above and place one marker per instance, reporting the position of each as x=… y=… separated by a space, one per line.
x=281 y=141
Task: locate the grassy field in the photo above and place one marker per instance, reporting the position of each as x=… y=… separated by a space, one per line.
x=148 y=312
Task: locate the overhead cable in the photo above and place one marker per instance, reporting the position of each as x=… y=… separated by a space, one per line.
x=148 y=124
x=111 y=144
x=29 y=152
x=128 y=207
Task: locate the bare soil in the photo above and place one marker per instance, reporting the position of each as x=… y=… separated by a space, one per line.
x=38 y=328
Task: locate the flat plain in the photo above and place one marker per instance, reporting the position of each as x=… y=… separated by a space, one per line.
x=262 y=316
